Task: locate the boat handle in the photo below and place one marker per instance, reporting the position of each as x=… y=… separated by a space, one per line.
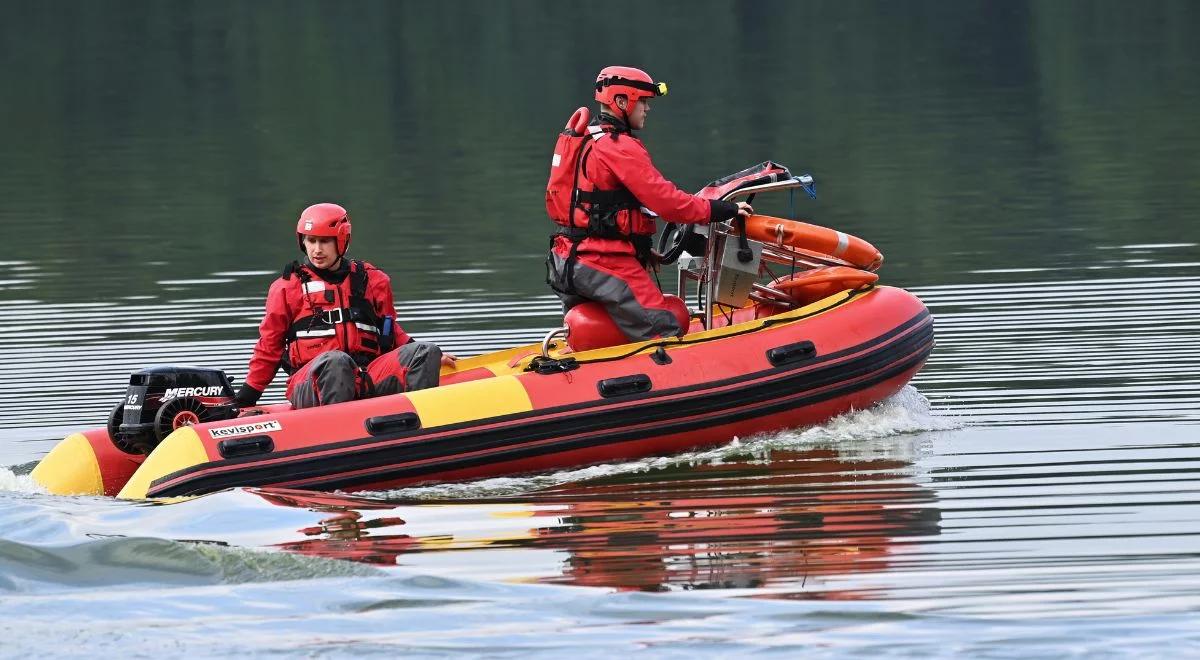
x=624 y=385
x=565 y=331
x=384 y=424
x=255 y=444
x=790 y=353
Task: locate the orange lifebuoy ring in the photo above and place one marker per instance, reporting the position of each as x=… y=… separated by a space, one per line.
x=815 y=239
x=808 y=287
x=842 y=277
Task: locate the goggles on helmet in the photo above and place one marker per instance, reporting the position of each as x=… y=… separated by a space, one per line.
x=655 y=88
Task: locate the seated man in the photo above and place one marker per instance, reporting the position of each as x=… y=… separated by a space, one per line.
x=602 y=251
x=330 y=324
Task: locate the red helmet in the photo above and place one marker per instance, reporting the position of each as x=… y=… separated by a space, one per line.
x=633 y=83
x=325 y=220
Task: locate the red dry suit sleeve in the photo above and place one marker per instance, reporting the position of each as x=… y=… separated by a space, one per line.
x=268 y=352
x=379 y=292
x=628 y=159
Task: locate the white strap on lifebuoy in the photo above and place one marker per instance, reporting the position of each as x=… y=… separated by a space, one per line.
x=843 y=244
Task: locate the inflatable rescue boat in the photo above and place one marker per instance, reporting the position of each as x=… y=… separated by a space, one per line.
x=788 y=327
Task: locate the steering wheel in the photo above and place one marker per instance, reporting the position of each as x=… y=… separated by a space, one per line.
x=675 y=239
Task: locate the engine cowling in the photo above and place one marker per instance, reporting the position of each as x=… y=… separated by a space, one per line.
x=162 y=399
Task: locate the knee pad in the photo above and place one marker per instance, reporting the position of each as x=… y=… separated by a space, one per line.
x=389 y=385
x=419 y=350
x=334 y=359
x=342 y=360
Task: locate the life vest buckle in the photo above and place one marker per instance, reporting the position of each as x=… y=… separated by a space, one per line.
x=332 y=316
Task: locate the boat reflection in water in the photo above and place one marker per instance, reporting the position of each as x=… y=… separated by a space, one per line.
x=345 y=533
x=747 y=524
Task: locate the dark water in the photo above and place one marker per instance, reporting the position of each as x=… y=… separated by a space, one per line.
x=1027 y=168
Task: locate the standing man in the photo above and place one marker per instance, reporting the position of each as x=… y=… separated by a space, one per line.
x=330 y=323
x=602 y=252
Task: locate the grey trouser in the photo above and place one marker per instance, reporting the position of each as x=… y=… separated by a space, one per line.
x=626 y=290
x=333 y=376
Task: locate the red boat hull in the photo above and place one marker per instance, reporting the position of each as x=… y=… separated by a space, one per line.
x=627 y=402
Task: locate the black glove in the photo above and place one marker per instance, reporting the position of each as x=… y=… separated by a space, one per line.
x=247 y=396
x=721 y=210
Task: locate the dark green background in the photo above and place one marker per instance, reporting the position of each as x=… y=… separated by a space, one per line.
x=149 y=141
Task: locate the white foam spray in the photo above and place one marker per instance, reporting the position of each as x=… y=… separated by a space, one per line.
x=19 y=483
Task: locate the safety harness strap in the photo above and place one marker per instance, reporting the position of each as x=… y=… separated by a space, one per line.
x=323 y=323
x=621 y=198
x=358 y=286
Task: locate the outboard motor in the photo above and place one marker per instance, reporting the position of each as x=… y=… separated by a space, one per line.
x=162 y=399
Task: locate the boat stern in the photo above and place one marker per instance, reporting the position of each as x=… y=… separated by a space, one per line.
x=71 y=468
x=178 y=451
x=85 y=463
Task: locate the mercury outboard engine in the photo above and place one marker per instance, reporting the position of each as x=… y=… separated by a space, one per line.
x=162 y=399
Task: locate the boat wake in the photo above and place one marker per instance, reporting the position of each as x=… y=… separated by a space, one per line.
x=860 y=434
x=118 y=561
x=883 y=430
x=18 y=482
